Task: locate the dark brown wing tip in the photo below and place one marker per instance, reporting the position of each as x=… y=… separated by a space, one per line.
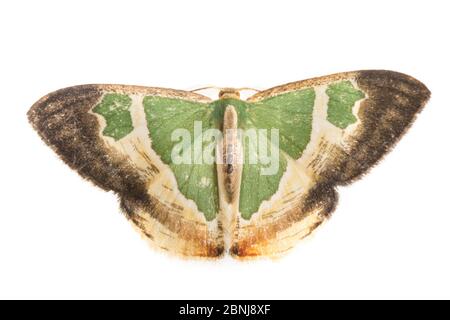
x=56 y=100
x=394 y=100
x=397 y=80
x=62 y=122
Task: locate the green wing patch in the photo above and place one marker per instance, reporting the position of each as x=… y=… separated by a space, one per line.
x=291 y=114
x=256 y=187
x=196 y=180
x=342 y=98
x=115 y=109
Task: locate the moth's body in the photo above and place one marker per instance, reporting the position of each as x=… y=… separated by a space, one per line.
x=318 y=133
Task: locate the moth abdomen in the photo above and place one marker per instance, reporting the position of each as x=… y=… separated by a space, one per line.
x=231 y=153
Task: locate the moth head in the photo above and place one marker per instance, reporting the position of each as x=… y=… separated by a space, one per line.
x=229 y=93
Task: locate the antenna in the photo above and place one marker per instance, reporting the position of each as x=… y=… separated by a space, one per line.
x=222 y=88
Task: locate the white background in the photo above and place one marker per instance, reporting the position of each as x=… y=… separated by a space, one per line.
x=61 y=237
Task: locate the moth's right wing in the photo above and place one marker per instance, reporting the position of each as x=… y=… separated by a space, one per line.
x=332 y=130
x=116 y=136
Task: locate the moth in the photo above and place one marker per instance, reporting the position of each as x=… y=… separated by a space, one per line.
x=201 y=177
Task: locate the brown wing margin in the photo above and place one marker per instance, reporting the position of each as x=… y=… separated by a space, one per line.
x=394 y=100
x=63 y=121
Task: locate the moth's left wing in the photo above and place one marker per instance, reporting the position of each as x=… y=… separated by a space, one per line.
x=331 y=130
x=119 y=137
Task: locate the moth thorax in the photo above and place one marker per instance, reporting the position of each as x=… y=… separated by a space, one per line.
x=231 y=153
x=229 y=93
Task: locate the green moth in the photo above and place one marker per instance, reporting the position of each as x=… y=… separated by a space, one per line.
x=201 y=177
